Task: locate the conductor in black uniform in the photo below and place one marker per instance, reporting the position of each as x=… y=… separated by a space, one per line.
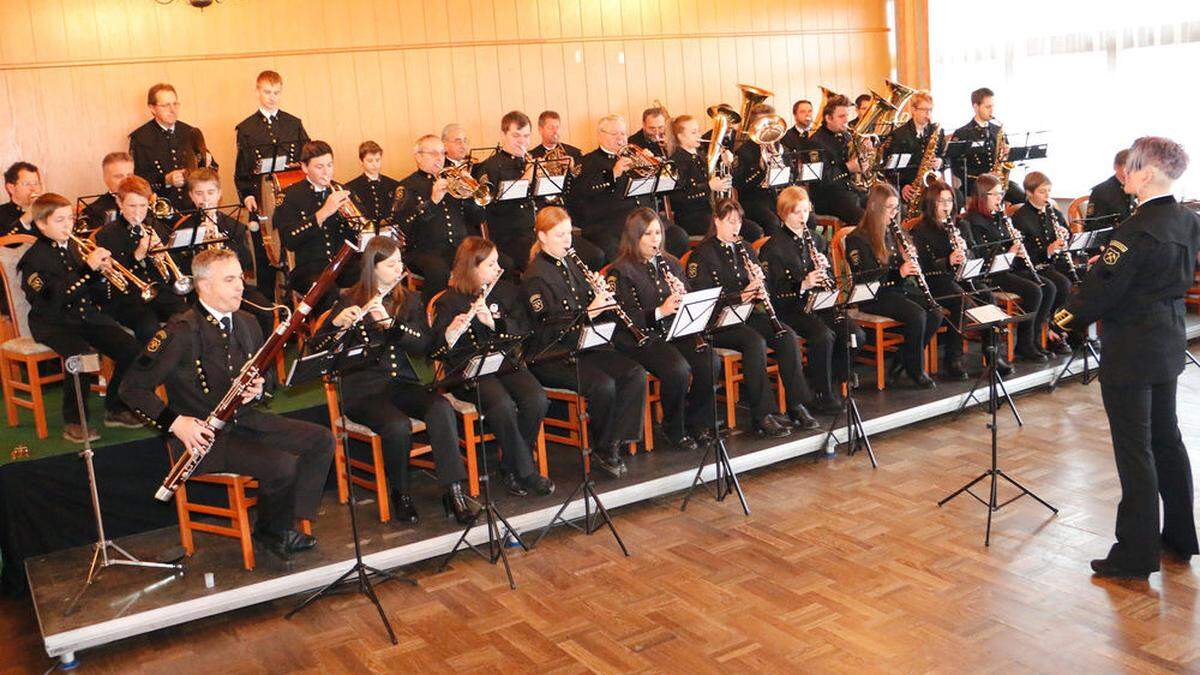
x=1136 y=291
x=834 y=195
x=1108 y=204
x=375 y=191
x=165 y=149
x=197 y=356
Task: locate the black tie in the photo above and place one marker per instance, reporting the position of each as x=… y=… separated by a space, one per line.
x=227 y=325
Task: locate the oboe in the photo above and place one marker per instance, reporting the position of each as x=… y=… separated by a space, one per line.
x=601 y=289
x=756 y=271
x=910 y=254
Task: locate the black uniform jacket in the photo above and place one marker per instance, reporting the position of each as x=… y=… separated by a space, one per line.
x=60 y=288
x=1108 y=205
x=255 y=132
x=641 y=287
x=555 y=290
x=1038 y=229
x=157 y=152
x=375 y=197
x=835 y=152
x=907 y=139
x=788 y=259
x=509 y=313
x=599 y=198
x=866 y=267
x=934 y=247
x=434 y=228
x=691 y=197
x=506 y=218
x=313 y=244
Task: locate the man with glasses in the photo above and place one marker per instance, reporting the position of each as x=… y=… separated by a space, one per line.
x=458 y=146
x=23 y=182
x=913 y=137
x=164 y=149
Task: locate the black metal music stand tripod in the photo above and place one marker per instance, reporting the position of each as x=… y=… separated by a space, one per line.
x=1088 y=351
x=487 y=361
x=594 y=513
x=994 y=472
x=989 y=371
x=332 y=364
x=844 y=296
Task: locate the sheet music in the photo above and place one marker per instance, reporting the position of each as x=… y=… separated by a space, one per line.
x=665 y=183
x=484 y=364
x=546 y=186
x=596 y=334
x=640 y=186
x=1002 y=263
x=811 y=171
x=271 y=164
x=513 y=189
x=735 y=314
x=863 y=292
x=985 y=314
x=777 y=175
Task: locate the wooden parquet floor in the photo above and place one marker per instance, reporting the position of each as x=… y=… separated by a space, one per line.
x=838 y=569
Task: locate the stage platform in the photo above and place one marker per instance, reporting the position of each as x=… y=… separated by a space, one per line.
x=129 y=601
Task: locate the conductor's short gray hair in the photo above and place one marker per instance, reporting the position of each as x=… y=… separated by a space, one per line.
x=203 y=263
x=1163 y=153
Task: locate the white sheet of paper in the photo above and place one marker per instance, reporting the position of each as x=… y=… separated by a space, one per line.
x=735 y=314
x=1002 y=262
x=597 y=334
x=271 y=164
x=986 y=314
x=512 y=189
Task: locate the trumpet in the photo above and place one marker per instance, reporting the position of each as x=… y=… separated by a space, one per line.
x=350 y=211
x=462 y=185
x=165 y=264
x=117 y=274
x=161 y=208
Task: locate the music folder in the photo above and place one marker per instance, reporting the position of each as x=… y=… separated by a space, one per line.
x=695 y=311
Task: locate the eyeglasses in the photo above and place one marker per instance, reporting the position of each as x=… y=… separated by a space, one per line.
x=167 y=105
x=924 y=109
x=431 y=152
x=946 y=201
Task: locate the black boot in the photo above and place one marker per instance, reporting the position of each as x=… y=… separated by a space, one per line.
x=403 y=510
x=769 y=427
x=826 y=404
x=921 y=381
x=954 y=370
x=684 y=442
x=458 y=503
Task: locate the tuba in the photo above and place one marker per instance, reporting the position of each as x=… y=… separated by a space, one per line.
x=898 y=95
x=723 y=118
x=751 y=96
x=826 y=95
x=868 y=129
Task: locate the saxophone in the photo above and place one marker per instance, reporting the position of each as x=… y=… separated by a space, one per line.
x=1000 y=166
x=925 y=172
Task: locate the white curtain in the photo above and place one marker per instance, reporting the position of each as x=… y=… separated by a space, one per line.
x=1093 y=75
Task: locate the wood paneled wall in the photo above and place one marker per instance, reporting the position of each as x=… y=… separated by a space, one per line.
x=75 y=72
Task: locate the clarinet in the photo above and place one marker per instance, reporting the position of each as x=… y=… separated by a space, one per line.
x=910 y=254
x=755 y=270
x=1022 y=252
x=224 y=411
x=1063 y=237
x=820 y=262
x=639 y=336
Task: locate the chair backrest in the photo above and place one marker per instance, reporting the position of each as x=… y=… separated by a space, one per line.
x=429 y=313
x=1076 y=212
x=757 y=246
x=1011 y=209
x=331 y=403
x=683 y=259
x=837 y=248
x=18 y=305
x=829 y=225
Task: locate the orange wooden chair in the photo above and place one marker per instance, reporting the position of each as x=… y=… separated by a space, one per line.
x=1076 y=213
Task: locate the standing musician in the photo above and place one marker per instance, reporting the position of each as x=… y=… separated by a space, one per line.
x=797 y=264
x=943 y=246
x=310 y=221
x=988 y=225
x=64 y=288
x=129 y=238
x=434 y=222
x=653 y=134
x=1137 y=292
x=115 y=168
x=265 y=127
x=692 y=200
x=23 y=182
x=382 y=312
x=514 y=403
x=873 y=255
x=557 y=290
x=834 y=195
x=198 y=355
x=750 y=170
x=549 y=126
x=374 y=190
x=977 y=155
x=724 y=259
x=597 y=194
x=649 y=283
x=1046 y=237
x=458 y=146
x=164 y=149
x=1108 y=203
x=796 y=138
x=914 y=137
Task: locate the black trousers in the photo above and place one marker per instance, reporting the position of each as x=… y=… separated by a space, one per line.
x=434 y=266
x=948 y=294
x=760 y=208
x=920 y=323
x=390 y=417
x=102 y=335
x=825 y=342
x=1036 y=298
x=1152 y=464
x=615 y=389
x=686 y=371
x=137 y=316
x=1056 y=288
x=514 y=405
x=752 y=340
x=845 y=205
x=290 y=458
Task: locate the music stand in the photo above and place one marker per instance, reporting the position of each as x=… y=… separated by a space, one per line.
x=486 y=361
x=587 y=336
x=982 y=316
x=810 y=167
x=342 y=357
x=698 y=316
x=844 y=296
x=1090 y=355
x=993 y=323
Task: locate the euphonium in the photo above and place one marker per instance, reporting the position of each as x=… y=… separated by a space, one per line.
x=161 y=208
x=898 y=95
x=925 y=173
x=723 y=118
x=826 y=94
x=751 y=96
x=866 y=130
x=117 y=274
x=462 y=185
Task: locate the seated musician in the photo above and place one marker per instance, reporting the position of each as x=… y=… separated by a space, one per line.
x=862 y=103
x=374 y=190
x=977 y=155
x=64 y=289
x=458 y=146
x=130 y=239
x=988 y=226
x=797 y=264
x=834 y=195
x=434 y=222
x=268 y=126
x=1108 y=205
x=23 y=182
x=648 y=283
x=873 y=255
x=796 y=137
x=549 y=126
x=751 y=169
x=115 y=168
x=943 y=246
x=1046 y=238
x=695 y=191
x=514 y=403
x=724 y=259
x=557 y=290
x=653 y=134
x=597 y=194
x=197 y=356
x=310 y=222
x=164 y=148
x=379 y=310
x=914 y=138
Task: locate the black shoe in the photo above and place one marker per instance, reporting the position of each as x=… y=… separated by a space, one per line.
x=298 y=541
x=801 y=418
x=609 y=459
x=1003 y=367
x=685 y=443
x=272 y=541
x=537 y=484
x=1032 y=355
x=954 y=371
x=769 y=427
x=124 y=419
x=705 y=438
x=921 y=381
x=403 y=510
x=825 y=404
x=1102 y=567
x=1175 y=554
x=782 y=420
x=1058 y=348
x=456 y=502
x=513 y=484
x=852 y=382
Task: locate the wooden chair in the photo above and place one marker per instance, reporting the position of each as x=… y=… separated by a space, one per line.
x=881 y=329
x=21 y=358
x=1011 y=209
x=828 y=225
x=1076 y=212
